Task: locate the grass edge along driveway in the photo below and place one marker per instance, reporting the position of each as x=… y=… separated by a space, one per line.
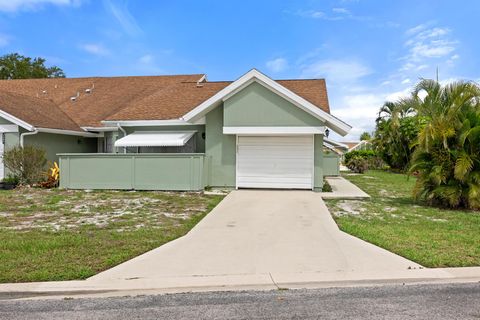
x=53 y=235
x=391 y=219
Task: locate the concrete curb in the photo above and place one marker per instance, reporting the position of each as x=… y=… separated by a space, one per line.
x=115 y=288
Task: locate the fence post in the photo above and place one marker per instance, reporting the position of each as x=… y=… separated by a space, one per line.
x=133 y=157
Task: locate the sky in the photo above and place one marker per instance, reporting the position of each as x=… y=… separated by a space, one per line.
x=369 y=51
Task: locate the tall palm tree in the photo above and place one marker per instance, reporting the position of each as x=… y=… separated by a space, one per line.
x=395 y=131
x=447 y=155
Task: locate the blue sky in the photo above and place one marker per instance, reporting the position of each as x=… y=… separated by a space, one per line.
x=368 y=51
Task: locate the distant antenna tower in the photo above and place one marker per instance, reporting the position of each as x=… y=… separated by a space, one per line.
x=437 y=73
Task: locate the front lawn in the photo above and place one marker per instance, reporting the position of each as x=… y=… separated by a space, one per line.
x=432 y=237
x=62 y=235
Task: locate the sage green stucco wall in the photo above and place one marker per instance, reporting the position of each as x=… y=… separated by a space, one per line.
x=221 y=154
x=318 y=162
x=200 y=142
x=331 y=164
x=4 y=121
x=132 y=171
x=256 y=105
x=220 y=151
x=60 y=143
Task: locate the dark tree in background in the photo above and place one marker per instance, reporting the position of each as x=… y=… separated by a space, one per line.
x=365 y=136
x=16 y=66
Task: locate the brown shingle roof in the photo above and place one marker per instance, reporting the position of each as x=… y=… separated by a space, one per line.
x=108 y=96
x=312 y=90
x=170 y=103
x=40 y=113
x=175 y=101
x=132 y=98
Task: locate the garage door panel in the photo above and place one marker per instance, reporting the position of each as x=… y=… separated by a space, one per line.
x=275 y=162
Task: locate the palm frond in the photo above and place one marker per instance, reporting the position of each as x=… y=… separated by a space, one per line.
x=463 y=166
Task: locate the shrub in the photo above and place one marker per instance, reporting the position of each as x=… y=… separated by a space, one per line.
x=26 y=163
x=364 y=154
x=446 y=160
x=376 y=163
x=10 y=179
x=358 y=165
x=326 y=186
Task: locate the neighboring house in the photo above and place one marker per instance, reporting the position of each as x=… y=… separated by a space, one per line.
x=358 y=145
x=173 y=132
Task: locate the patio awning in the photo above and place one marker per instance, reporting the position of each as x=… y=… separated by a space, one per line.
x=155 y=139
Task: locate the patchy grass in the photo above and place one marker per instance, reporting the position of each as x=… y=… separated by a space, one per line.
x=432 y=237
x=63 y=234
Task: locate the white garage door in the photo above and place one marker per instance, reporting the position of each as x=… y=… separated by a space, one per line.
x=284 y=162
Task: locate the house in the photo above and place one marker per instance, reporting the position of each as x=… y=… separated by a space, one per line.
x=179 y=132
x=358 y=145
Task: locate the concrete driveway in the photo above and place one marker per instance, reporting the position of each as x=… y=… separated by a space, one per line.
x=259 y=237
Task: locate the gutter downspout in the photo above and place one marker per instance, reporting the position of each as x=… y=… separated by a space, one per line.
x=124 y=135
x=22 y=135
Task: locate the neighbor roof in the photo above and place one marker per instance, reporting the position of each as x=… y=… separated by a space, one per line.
x=351 y=144
x=40 y=113
x=47 y=102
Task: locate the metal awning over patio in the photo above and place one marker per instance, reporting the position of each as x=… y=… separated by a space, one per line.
x=155 y=139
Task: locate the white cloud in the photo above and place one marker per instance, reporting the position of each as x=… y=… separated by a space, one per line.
x=335 y=14
x=123 y=16
x=426 y=43
x=429 y=42
x=277 y=65
x=4 y=40
x=341 y=10
x=360 y=106
x=396 y=95
x=416 y=29
x=433 y=33
x=146 y=59
x=148 y=64
x=421 y=67
x=432 y=49
x=16 y=5
x=406 y=81
x=336 y=71
x=95 y=49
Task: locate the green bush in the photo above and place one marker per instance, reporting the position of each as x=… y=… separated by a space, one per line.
x=326 y=186
x=358 y=165
x=377 y=163
x=446 y=160
x=10 y=179
x=364 y=154
x=27 y=164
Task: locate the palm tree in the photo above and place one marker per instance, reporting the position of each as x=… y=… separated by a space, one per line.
x=447 y=154
x=396 y=128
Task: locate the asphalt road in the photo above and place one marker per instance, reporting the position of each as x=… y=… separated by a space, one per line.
x=452 y=301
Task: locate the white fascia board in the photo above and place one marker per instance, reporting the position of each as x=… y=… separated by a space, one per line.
x=100 y=129
x=254 y=75
x=17 y=121
x=8 y=128
x=331 y=147
x=147 y=123
x=273 y=130
x=71 y=132
x=335 y=143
